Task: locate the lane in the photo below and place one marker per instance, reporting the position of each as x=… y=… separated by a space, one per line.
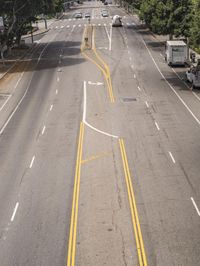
x=37 y=169
x=155 y=172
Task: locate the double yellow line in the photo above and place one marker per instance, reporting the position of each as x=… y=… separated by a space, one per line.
x=134 y=213
x=74 y=213
x=101 y=64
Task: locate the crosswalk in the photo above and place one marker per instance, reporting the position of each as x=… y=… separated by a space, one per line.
x=93 y=17
x=128 y=24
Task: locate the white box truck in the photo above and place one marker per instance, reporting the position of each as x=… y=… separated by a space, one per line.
x=176 y=53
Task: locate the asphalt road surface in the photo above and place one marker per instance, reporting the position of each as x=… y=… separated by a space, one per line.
x=100 y=144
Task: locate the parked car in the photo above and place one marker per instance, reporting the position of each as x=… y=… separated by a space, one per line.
x=78 y=15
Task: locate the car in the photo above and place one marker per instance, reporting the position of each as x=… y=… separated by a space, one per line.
x=87 y=15
x=116 y=21
x=78 y=15
x=105 y=3
x=104 y=13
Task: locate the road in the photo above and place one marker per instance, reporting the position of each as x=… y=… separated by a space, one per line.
x=99 y=143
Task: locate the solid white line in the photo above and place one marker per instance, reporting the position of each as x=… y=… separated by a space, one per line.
x=147 y=104
x=5 y=102
x=179 y=97
x=84 y=101
x=172 y=157
x=139 y=88
x=196 y=95
x=85 y=112
x=14 y=212
x=51 y=107
x=32 y=161
x=157 y=125
x=43 y=130
x=195 y=205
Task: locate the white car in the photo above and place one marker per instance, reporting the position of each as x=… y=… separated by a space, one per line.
x=193 y=76
x=78 y=15
x=116 y=21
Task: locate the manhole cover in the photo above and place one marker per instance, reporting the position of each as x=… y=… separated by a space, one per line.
x=127 y=100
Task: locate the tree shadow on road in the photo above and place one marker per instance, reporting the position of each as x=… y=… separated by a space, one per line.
x=44 y=56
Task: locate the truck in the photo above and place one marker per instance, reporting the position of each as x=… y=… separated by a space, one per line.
x=193 y=75
x=176 y=53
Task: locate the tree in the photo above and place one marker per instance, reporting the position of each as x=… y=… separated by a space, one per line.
x=167 y=16
x=195 y=26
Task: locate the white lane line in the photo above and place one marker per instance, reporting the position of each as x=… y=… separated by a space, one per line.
x=134 y=76
x=147 y=104
x=128 y=52
x=161 y=55
x=68 y=26
x=139 y=88
x=56 y=91
x=179 y=97
x=58 y=79
x=27 y=88
x=158 y=128
x=32 y=161
x=85 y=113
x=99 y=24
x=79 y=25
x=14 y=212
x=43 y=130
x=62 y=27
x=195 y=205
x=130 y=58
x=5 y=102
x=172 y=157
x=51 y=107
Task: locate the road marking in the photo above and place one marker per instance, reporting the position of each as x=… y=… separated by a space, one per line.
x=139 y=88
x=79 y=25
x=172 y=157
x=51 y=107
x=179 y=97
x=195 y=205
x=147 y=104
x=32 y=161
x=161 y=55
x=130 y=58
x=85 y=115
x=68 y=26
x=58 y=79
x=75 y=201
x=134 y=76
x=14 y=212
x=132 y=202
x=99 y=24
x=5 y=102
x=95 y=83
x=62 y=27
x=20 y=101
x=105 y=69
x=56 y=91
x=43 y=130
x=158 y=128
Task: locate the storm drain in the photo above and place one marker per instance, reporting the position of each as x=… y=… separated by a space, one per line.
x=128 y=100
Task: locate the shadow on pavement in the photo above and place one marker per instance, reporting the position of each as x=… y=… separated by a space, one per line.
x=52 y=55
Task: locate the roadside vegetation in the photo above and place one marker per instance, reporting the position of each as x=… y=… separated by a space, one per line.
x=17 y=16
x=177 y=18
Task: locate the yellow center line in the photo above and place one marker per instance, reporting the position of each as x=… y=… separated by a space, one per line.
x=74 y=212
x=134 y=213
x=105 y=69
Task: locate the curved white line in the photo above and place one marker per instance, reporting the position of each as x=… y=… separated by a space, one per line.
x=84 y=116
